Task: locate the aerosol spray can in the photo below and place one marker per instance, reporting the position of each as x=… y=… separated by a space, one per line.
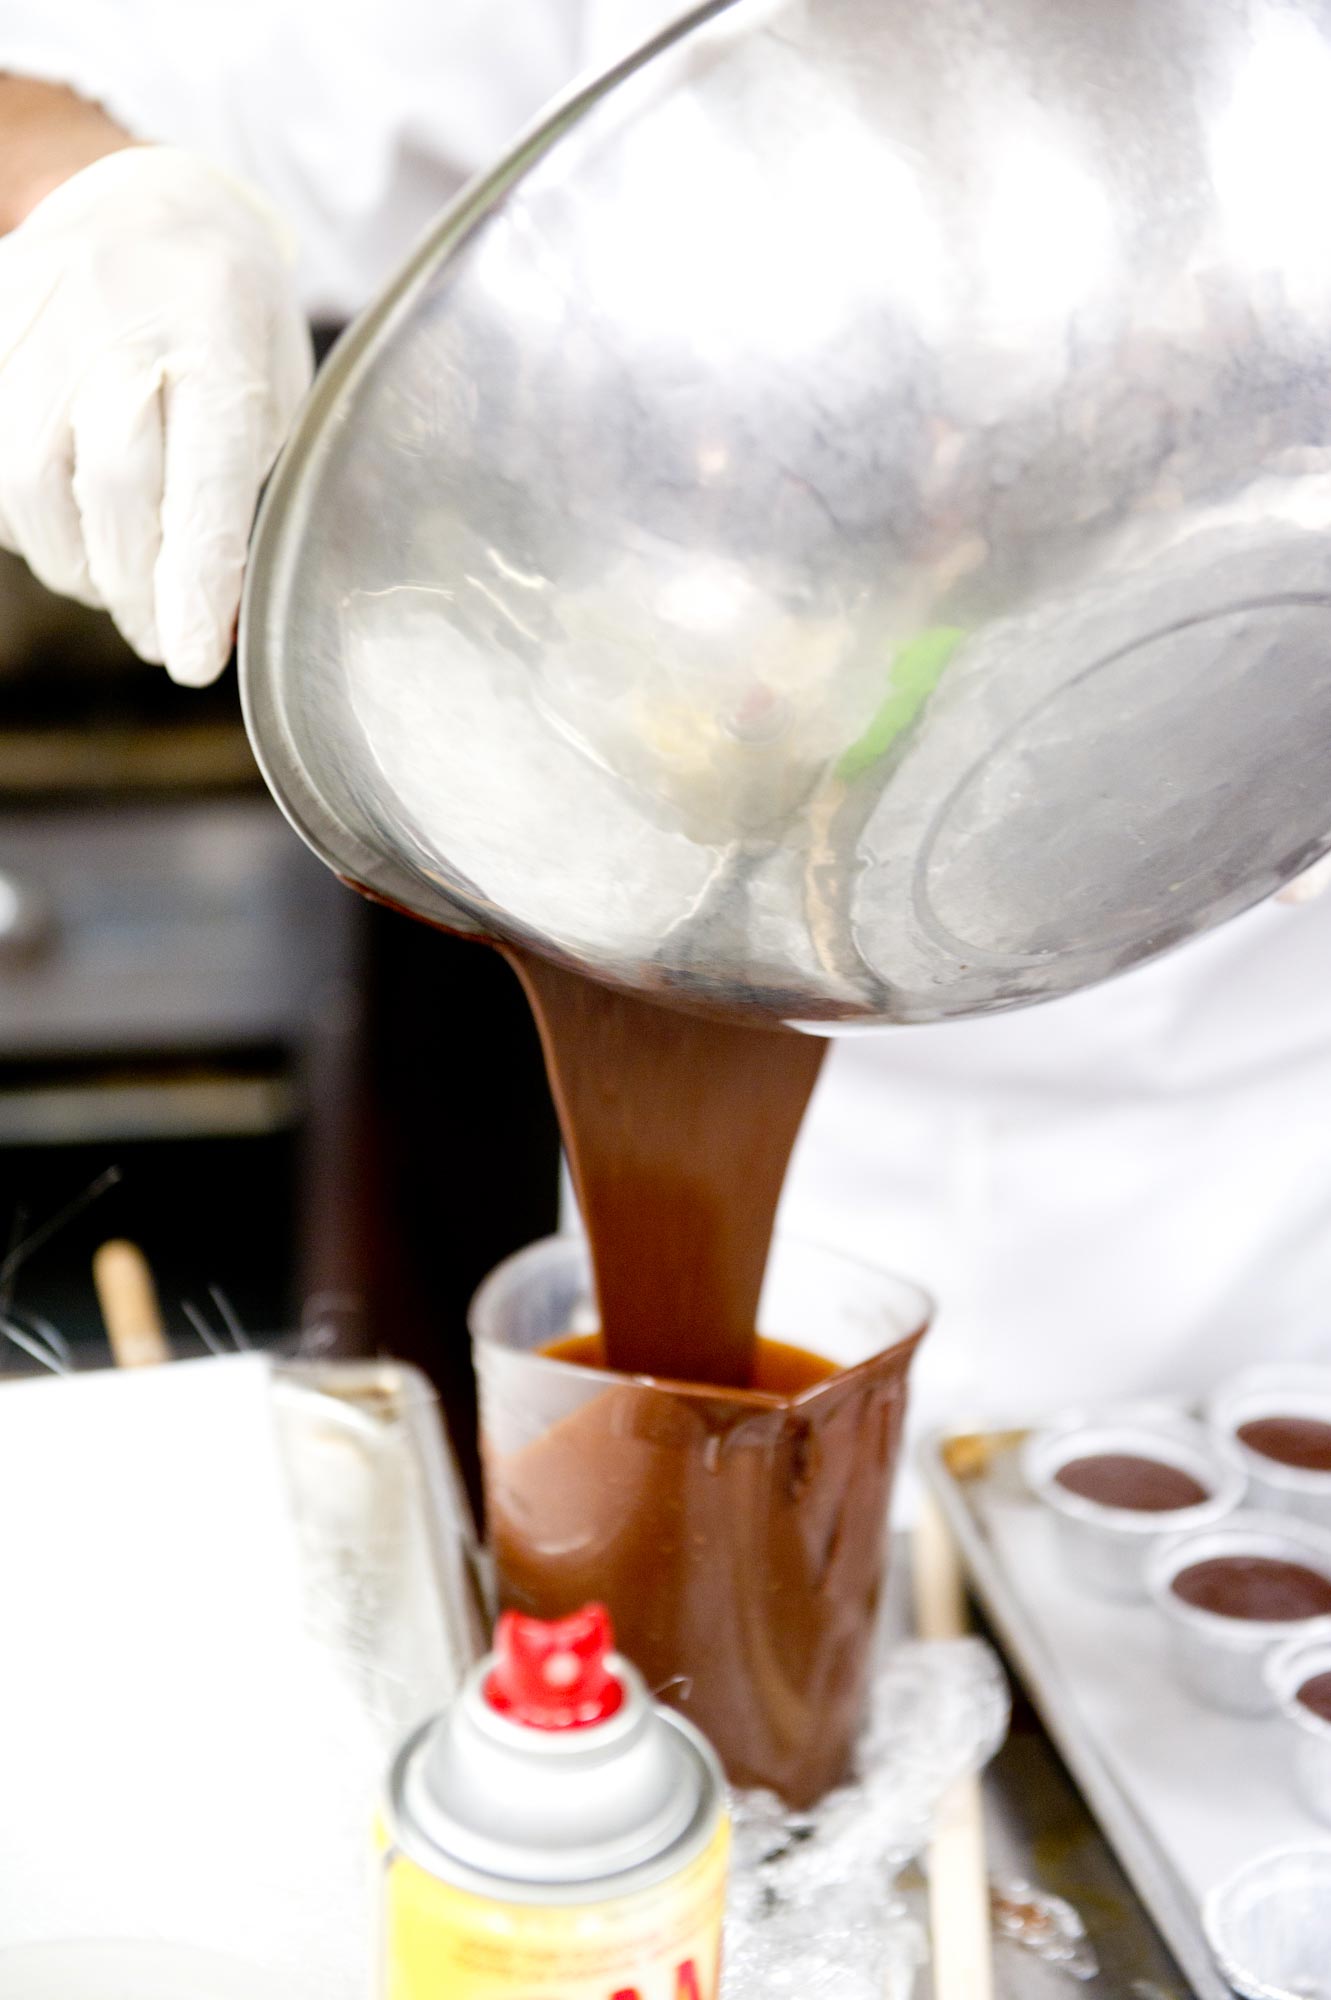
x=555 y=1835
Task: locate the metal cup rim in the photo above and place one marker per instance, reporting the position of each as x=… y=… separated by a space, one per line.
x=1158 y=1428
x=1285 y=1671
x=1269 y=1389
x=1303 y=1539
x=1217 y=1898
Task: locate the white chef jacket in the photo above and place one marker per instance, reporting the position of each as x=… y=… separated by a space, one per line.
x=1121 y=1192
x=359 y=118
x=1124 y=1192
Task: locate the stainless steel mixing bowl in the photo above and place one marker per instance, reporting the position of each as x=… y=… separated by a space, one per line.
x=837 y=524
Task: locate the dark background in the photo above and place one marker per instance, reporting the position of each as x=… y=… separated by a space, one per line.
x=344 y=1144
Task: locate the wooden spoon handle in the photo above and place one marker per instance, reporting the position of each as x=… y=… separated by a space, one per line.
x=959 y=1914
x=128 y=1299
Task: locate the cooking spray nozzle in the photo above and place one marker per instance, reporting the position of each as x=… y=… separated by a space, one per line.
x=554 y=1674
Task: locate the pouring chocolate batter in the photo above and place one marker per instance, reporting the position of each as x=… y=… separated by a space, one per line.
x=732 y=1511
x=679 y=1130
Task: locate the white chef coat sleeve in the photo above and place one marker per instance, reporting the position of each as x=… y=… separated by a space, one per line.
x=358 y=120
x=89 y=46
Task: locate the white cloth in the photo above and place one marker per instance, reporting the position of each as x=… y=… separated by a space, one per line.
x=1125 y=1190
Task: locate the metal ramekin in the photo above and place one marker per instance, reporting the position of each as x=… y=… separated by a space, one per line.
x=1269 y=1925
x=1104 y=1548
x=1297 y=1661
x=1223 y=1660
x=1274 y=1391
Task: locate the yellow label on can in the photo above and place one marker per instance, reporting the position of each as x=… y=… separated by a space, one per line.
x=440 y=1942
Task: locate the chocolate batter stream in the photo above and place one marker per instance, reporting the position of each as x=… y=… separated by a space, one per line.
x=678 y=1131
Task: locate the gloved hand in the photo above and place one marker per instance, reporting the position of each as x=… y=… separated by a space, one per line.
x=152 y=354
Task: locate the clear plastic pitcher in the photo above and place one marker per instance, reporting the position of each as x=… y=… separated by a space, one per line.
x=738 y=1536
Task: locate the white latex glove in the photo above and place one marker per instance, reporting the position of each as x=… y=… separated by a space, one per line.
x=152 y=354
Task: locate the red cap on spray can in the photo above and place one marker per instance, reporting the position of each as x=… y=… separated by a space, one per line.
x=555 y=1674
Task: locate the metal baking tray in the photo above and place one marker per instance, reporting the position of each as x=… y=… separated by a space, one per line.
x=394 y=1423
x=968 y=1472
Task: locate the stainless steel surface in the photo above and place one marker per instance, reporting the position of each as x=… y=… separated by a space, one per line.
x=117 y=1110
x=1223 y=1660
x=399 y=1401
x=1104 y=1549
x=196 y=981
x=953 y=1469
x=555 y=1816
x=1270 y=1926
x=1275 y=1390
x=1288 y=1669
x=1038 y=1829
x=25 y=920
x=172 y=929
x=836 y=524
